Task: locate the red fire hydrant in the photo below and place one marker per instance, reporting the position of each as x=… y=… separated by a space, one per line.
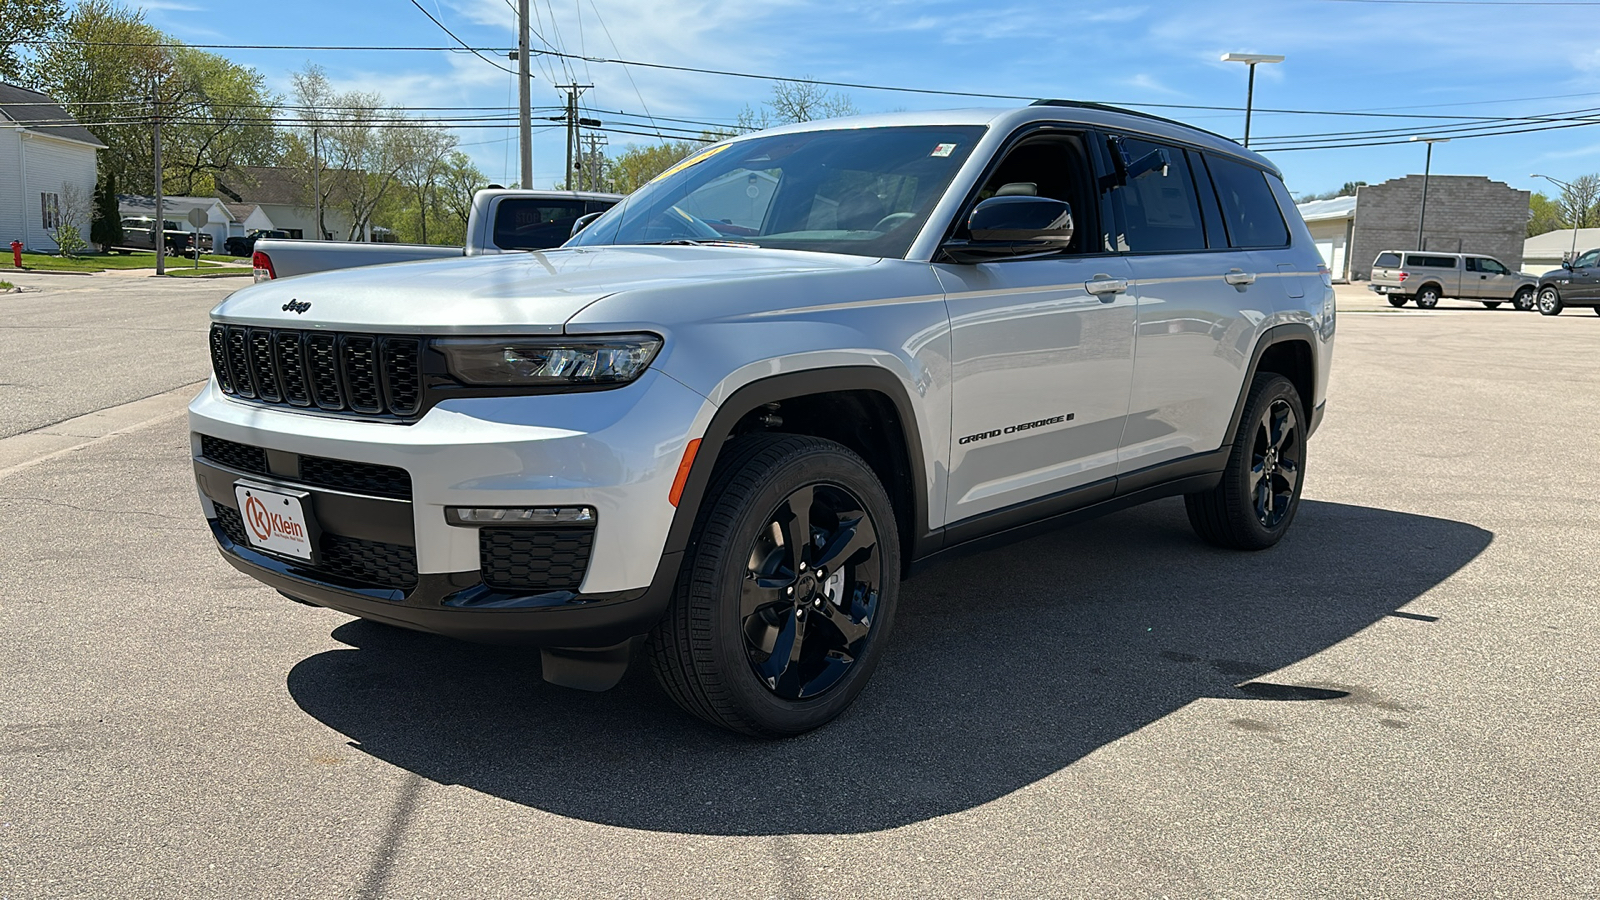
x=16 y=254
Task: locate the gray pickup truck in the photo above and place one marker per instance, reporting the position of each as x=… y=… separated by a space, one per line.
x=1427 y=276
x=502 y=220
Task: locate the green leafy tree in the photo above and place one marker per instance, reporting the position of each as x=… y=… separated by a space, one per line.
x=106 y=230
x=636 y=165
x=1544 y=215
x=1580 y=202
x=26 y=20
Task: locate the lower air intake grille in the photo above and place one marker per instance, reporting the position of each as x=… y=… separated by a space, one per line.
x=526 y=559
x=243 y=457
x=360 y=478
x=363 y=563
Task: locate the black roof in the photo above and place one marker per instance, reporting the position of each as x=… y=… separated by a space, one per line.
x=39 y=112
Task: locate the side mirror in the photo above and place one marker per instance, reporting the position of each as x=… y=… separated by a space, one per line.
x=1014 y=226
x=583 y=221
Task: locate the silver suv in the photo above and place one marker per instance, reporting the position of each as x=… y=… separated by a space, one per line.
x=1427 y=276
x=728 y=417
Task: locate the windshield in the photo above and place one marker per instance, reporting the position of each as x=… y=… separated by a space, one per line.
x=865 y=191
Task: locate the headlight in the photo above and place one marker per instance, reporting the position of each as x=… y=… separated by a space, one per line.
x=554 y=361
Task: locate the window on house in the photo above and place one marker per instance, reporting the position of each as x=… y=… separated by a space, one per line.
x=50 y=210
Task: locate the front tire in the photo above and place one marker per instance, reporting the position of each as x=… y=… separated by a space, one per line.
x=1550 y=302
x=1492 y=304
x=1428 y=297
x=785 y=604
x=1523 y=300
x=1254 y=503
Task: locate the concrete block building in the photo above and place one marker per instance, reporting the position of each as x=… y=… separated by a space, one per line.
x=1466 y=214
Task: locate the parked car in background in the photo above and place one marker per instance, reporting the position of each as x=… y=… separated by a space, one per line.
x=502 y=221
x=1576 y=283
x=244 y=245
x=1427 y=277
x=895 y=337
x=138 y=233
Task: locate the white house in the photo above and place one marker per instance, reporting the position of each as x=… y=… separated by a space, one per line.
x=1544 y=252
x=1332 y=223
x=46 y=158
x=284 y=197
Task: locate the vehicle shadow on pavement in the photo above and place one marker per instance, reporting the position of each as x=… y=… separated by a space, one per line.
x=1004 y=668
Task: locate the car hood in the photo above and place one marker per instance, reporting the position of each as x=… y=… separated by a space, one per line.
x=531 y=293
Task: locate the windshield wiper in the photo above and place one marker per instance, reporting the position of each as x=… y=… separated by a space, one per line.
x=698 y=242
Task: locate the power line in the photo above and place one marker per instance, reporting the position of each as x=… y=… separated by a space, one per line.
x=453 y=37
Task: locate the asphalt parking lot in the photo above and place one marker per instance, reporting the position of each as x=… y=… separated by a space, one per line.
x=1397 y=701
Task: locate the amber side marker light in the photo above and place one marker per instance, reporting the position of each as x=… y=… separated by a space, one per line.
x=683 y=472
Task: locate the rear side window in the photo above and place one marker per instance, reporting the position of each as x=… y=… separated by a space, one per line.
x=1388 y=261
x=528 y=223
x=1431 y=262
x=1248 y=206
x=1157 y=209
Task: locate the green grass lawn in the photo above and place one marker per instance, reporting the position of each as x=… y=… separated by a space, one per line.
x=209 y=272
x=96 y=262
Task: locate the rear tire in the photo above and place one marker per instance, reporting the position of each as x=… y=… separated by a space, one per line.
x=1255 y=502
x=1523 y=300
x=1492 y=304
x=1550 y=302
x=785 y=604
x=1396 y=300
x=1428 y=297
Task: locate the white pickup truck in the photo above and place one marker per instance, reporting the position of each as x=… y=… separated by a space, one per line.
x=502 y=220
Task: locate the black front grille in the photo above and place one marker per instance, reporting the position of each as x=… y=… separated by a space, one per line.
x=243 y=457
x=527 y=559
x=357 y=374
x=343 y=558
x=361 y=478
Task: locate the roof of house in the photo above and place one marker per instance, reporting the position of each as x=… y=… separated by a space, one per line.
x=39 y=112
x=272 y=185
x=1552 y=244
x=1323 y=210
x=240 y=211
x=171 y=207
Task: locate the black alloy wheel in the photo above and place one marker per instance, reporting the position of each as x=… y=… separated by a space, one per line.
x=1397 y=300
x=1549 y=302
x=1523 y=300
x=810 y=592
x=1255 y=500
x=785 y=601
x=1275 y=463
x=1428 y=297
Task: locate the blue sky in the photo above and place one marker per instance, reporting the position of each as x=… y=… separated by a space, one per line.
x=1415 y=59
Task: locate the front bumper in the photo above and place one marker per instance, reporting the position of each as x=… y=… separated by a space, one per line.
x=615 y=451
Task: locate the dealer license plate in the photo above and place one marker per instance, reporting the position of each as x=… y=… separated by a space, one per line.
x=274 y=521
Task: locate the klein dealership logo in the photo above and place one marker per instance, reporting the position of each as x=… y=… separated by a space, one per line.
x=296 y=306
x=266 y=524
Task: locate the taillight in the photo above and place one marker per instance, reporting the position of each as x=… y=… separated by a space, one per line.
x=1327 y=276
x=1403 y=275
x=262 y=264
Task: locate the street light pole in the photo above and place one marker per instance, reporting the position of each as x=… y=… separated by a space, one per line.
x=1427 y=169
x=1252 y=60
x=1574 y=252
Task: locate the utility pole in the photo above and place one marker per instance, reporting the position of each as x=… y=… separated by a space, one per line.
x=524 y=99
x=573 y=148
x=159 y=234
x=590 y=170
x=1427 y=169
x=316 y=181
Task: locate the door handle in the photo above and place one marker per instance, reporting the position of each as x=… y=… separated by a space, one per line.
x=1239 y=277
x=1106 y=287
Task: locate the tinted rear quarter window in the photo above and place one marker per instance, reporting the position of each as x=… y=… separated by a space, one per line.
x=528 y=223
x=1388 y=260
x=1431 y=262
x=1248 y=206
x=1158 y=212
